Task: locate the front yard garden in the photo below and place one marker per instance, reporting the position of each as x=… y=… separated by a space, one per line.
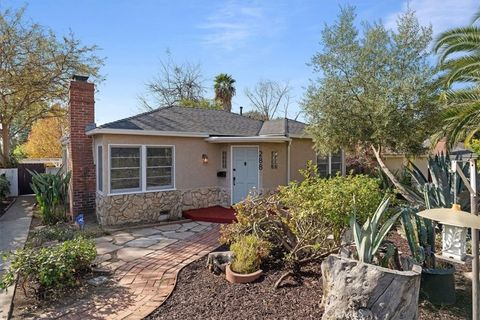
x=314 y=266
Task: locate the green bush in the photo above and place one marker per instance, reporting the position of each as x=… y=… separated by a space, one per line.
x=51 y=192
x=301 y=234
x=4 y=187
x=248 y=253
x=333 y=199
x=52 y=268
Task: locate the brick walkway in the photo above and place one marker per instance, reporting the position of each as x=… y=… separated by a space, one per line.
x=144 y=282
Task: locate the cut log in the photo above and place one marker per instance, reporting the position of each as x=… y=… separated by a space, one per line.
x=361 y=291
x=217 y=261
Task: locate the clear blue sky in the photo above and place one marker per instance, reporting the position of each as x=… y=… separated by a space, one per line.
x=251 y=40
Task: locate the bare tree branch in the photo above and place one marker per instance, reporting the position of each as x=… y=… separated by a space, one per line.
x=269 y=97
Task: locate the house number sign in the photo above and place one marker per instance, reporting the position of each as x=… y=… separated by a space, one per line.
x=260 y=160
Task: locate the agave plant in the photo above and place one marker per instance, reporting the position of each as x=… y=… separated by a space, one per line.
x=420 y=234
x=51 y=192
x=370 y=236
x=443 y=190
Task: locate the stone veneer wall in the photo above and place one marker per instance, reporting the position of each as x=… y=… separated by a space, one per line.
x=156 y=206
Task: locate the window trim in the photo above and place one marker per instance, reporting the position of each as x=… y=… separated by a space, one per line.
x=99 y=174
x=329 y=163
x=143 y=169
x=274 y=164
x=224 y=152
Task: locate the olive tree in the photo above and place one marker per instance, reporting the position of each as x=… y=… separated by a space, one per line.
x=375 y=88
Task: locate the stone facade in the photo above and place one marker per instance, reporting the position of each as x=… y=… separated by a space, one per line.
x=156 y=206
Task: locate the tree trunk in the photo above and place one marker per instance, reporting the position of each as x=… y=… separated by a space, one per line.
x=5 y=145
x=362 y=291
x=392 y=177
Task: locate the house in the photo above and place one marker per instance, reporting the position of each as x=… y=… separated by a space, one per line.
x=154 y=165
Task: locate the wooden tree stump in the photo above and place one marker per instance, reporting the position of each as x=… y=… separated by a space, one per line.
x=361 y=291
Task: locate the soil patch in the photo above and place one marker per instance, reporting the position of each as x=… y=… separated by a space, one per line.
x=200 y=294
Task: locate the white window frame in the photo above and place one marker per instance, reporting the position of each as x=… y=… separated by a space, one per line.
x=329 y=158
x=143 y=167
x=223 y=152
x=99 y=173
x=274 y=160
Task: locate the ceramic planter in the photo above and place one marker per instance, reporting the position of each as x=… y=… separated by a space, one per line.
x=438 y=285
x=234 y=277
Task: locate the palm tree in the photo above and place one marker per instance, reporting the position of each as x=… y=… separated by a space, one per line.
x=224 y=90
x=459 y=59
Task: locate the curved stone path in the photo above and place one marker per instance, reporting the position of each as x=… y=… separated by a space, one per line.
x=145 y=264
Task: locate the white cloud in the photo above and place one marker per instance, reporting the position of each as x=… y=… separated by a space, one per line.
x=235 y=23
x=441 y=15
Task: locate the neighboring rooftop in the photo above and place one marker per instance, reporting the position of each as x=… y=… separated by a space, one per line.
x=212 y=122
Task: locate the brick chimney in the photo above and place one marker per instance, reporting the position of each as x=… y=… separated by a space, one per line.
x=80 y=146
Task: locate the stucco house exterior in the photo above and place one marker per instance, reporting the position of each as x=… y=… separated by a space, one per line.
x=152 y=166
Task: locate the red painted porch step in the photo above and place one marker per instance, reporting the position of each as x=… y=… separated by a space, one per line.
x=215 y=214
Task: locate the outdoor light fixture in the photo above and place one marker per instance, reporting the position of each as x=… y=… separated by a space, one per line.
x=454 y=220
x=204 y=158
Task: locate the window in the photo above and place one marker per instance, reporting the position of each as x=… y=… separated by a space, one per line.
x=323 y=166
x=336 y=163
x=224 y=159
x=141 y=168
x=125 y=169
x=274 y=160
x=159 y=168
x=100 y=168
x=330 y=165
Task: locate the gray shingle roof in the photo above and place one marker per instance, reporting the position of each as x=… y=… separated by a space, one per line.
x=212 y=122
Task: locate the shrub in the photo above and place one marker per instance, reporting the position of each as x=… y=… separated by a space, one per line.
x=248 y=253
x=4 y=187
x=51 y=192
x=52 y=268
x=333 y=199
x=302 y=235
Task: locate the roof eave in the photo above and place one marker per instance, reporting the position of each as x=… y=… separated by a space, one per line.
x=98 y=131
x=272 y=139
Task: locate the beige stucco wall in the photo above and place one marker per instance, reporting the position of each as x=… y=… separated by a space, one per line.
x=396 y=163
x=190 y=172
x=196 y=183
x=301 y=151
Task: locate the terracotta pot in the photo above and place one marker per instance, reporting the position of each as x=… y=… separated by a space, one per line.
x=234 y=277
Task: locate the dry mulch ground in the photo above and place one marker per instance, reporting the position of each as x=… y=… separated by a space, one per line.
x=199 y=294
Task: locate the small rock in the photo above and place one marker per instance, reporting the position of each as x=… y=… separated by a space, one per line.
x=97 y=281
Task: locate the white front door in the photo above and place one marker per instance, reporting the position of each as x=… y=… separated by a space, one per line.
x=244 y=172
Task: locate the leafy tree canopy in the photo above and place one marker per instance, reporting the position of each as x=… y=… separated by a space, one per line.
x=45 y=136
x=374 y=88
x=35 y=69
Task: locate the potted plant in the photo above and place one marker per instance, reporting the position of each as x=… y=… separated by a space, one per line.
x=248 y=253
x=438 y=278
x=361 y=288
x=442 y=190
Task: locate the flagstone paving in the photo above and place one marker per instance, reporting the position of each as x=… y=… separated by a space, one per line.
x=145 y=263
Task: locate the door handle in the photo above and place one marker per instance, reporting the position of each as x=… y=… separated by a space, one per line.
x=233 y=180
